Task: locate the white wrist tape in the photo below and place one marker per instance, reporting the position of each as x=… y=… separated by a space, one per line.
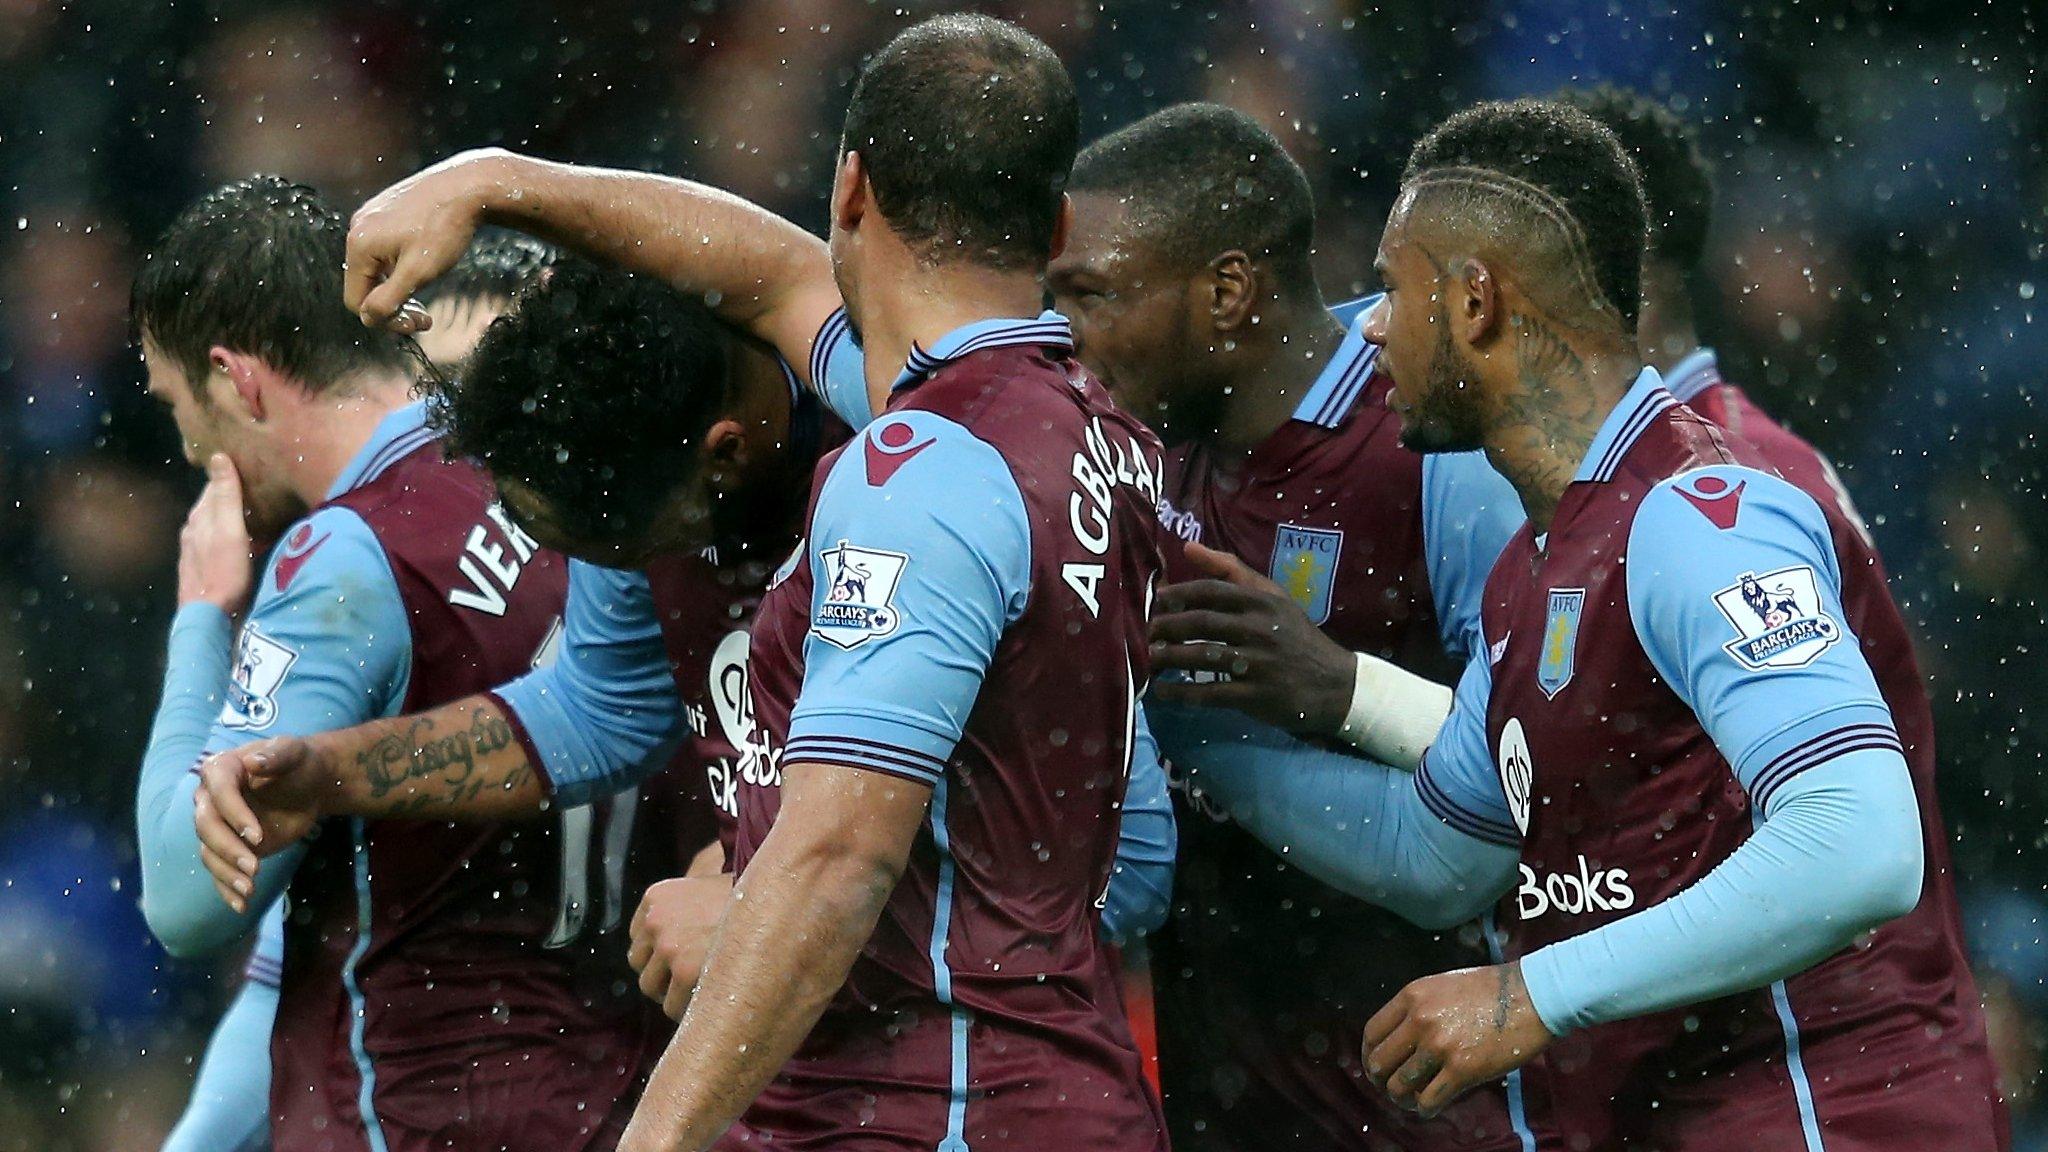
x=1395 y=714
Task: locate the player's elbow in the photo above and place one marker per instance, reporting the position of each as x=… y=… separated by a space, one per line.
x=182 y=924
x=1891 y=880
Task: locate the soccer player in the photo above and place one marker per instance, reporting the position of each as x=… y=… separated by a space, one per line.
x=419 y=1003
x=1671 y=763
x=1189 y=282
x=956 y=731
x=230 y=1104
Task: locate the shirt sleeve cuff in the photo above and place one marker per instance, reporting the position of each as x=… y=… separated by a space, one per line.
x=525 y=741
x=1477 y=825
x=1550 y=990
x=871 y=740
x=540 y=723
x=1812 y=741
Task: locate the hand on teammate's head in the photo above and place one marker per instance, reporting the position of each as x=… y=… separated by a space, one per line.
x=409 y=234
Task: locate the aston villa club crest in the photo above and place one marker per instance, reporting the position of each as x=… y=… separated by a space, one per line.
x=1305 y=564
x=1560 y=639
x=1778 y=618
x=860 y=593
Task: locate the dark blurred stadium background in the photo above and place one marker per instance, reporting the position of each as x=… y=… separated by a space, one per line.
x=1876 y=258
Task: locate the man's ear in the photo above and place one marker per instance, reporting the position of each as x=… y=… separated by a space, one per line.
x=724 y=456
x=1477 y=307
x=248 y=378
x=1233 y=291
x=850 y=191
x=1062 y=227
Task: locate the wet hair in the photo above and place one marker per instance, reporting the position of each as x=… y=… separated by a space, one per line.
x=967 y=127
x=497 y=265
x=1551 y=184
x=1678 y=182
x=593 y=392
x=1202 y=179
x=255 y=266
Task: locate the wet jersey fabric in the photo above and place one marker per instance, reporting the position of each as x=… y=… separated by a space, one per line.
x=1689 y=639
x=1265 y=976
x=431 y=971
x=968 y=612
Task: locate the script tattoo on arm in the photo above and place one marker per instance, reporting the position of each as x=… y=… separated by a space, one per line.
x=458 y=762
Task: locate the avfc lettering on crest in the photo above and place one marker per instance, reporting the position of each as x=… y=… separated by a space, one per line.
x=859 y=598
x=1305 y=564
x=1778 y=619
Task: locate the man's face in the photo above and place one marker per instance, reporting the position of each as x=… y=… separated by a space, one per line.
x=1436 y=383
x=210 y=424
x=681 y=526
x=1131 y=318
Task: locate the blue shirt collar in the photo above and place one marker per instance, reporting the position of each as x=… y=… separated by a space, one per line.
x=1050 y=330
x=1693 y=375
x=1343 y=379
x=1646 y=399
x=401 y=431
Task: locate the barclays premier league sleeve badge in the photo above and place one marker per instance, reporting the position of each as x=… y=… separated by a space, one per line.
x=260 y=667
x=1778 y=618
x=858 y=604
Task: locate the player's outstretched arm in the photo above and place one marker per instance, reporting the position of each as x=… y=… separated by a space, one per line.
x=596 y=715
x=799 y=917
x=1269 y=662
x=760 y=272
x=1351 y=822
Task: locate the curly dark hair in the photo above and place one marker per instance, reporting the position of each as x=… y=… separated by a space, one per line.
x=593 y=392
x=1571 y=161
x=1677 y=180
x=1204 y=179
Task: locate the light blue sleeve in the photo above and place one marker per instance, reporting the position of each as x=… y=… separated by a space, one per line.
x=839 y=372
x=1348 y=312
x=1735 y=592
x=604 y=713
x=915 y=580
x=1838 y=853
x=1456 y=779
x=1140 y=892
x=1745 y=623
x=326 y=645
x=1351 y=822
x=1469 y=513
x=230 y=1106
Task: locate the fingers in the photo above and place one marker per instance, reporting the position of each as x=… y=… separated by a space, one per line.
x=1181 y=627
x=1226 y=567
x=1454 y=1081
x=228 y=883
x=220 y=782
x=680 y=988
x=1200 y=656
x=1407 y=1082
x=360 y=273
x=1208 y=694
x=654 y=977
x=1392 y=1050
x=1209 y=595
x=270 y=759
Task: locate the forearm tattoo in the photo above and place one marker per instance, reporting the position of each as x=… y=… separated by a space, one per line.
x=439 y=770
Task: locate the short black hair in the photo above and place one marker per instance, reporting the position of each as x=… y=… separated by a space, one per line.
x=497 y=265
x=1205 y=179
x=593 y=392
x=1677 y=180
x=1569 y=159
x=967 y=127
x=256 y=266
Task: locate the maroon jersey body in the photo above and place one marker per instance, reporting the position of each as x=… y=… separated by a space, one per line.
x=985 y=1010
x=1880 y=1046
x=1265 y=977
x=463 y=984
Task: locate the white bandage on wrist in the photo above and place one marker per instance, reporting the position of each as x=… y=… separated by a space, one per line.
x=1394 y=714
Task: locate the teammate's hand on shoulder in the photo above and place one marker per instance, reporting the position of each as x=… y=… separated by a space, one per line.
x=406 y=236
x=1281 y=669
x=216 y=558
x=253 y=801
x=1444 y=1035
x=671 y=937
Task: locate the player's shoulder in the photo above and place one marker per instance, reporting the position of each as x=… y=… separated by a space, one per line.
x=912 y=456
x=1703 y=522
x=331 y=553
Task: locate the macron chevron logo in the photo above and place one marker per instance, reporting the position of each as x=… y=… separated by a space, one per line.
x=889 y=450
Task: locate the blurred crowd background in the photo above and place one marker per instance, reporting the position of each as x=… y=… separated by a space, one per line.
x=1876 y=258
